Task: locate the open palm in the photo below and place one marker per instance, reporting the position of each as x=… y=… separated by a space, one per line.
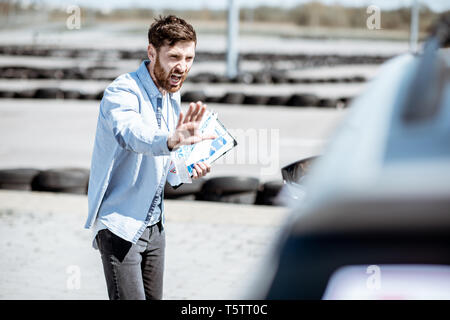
x=187 y=131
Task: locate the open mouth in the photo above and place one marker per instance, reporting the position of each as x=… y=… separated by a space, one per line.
x=175 y=79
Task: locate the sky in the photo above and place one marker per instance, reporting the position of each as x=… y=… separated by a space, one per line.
x=436 y=5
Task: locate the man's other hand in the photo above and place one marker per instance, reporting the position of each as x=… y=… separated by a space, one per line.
x=201 y=169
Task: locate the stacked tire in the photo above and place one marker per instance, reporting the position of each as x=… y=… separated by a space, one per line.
x=268 y=193
x=230 y=189
x=233 y=189
x=67 y=180
x=17 y=179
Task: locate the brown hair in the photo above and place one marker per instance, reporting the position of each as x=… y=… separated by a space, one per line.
x=169 y=30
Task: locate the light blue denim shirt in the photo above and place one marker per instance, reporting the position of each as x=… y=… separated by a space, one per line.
x=130 y=158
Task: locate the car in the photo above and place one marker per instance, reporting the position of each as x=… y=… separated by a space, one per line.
x=372 y=217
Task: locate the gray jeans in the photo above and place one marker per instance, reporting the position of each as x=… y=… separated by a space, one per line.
x=133 y=271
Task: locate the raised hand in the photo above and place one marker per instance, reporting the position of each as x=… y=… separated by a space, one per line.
x=187 y=130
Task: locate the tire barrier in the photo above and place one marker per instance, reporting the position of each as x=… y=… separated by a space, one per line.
x=67 y=180
x=270 y=78
x=232 y=189
x=293 y=100
x=100 y=54
x=92 y=73
x=187 y=191
x=268 y=192
x=107 y=74
x=17 y=179
x=229 y=189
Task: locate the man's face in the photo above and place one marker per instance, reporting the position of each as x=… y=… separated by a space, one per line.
x=170 y=66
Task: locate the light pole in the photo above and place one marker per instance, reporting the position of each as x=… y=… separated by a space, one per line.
x=233 y=34
x=414 y=27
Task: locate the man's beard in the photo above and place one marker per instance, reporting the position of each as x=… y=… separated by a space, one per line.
x=163 y=79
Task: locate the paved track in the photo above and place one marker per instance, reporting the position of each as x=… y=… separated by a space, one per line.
x=212 y=252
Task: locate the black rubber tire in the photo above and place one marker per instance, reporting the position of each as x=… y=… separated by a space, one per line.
x=77 y=190
x=268 y=193
x=345 y=101
x=183 y=190
x=279 y=78
x=241 y=198
x=262 y=78
x=228 y=189
x=17 y=179
x=293 y=80
x=193 y=96
x=42 y=74
x=303 y=100
x=233 y=98
x=7 y=94
x=278 y=101
x=331 y=80
x=245 y=78
x=15 y=186
x=73 y=180
x=48 y=93
x=71 y=94
x=88 y=96
x=301 y=80
x=220 y=79
x=359 y=79
x=255 y=99
x=99 y=96
x=25 y=94
x=21 y=74
x=213 y=99
x=327 y=103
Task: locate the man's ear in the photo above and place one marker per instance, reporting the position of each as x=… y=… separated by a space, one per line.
x=151 y=52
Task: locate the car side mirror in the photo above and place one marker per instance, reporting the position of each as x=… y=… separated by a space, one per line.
x=294 y=172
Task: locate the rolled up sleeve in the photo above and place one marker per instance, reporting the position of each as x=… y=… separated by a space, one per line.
x=120 y=109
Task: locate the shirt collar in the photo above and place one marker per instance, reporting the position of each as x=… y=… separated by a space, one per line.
x=147 y=81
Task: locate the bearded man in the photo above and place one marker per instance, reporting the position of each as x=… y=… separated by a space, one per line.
x=140 y=122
